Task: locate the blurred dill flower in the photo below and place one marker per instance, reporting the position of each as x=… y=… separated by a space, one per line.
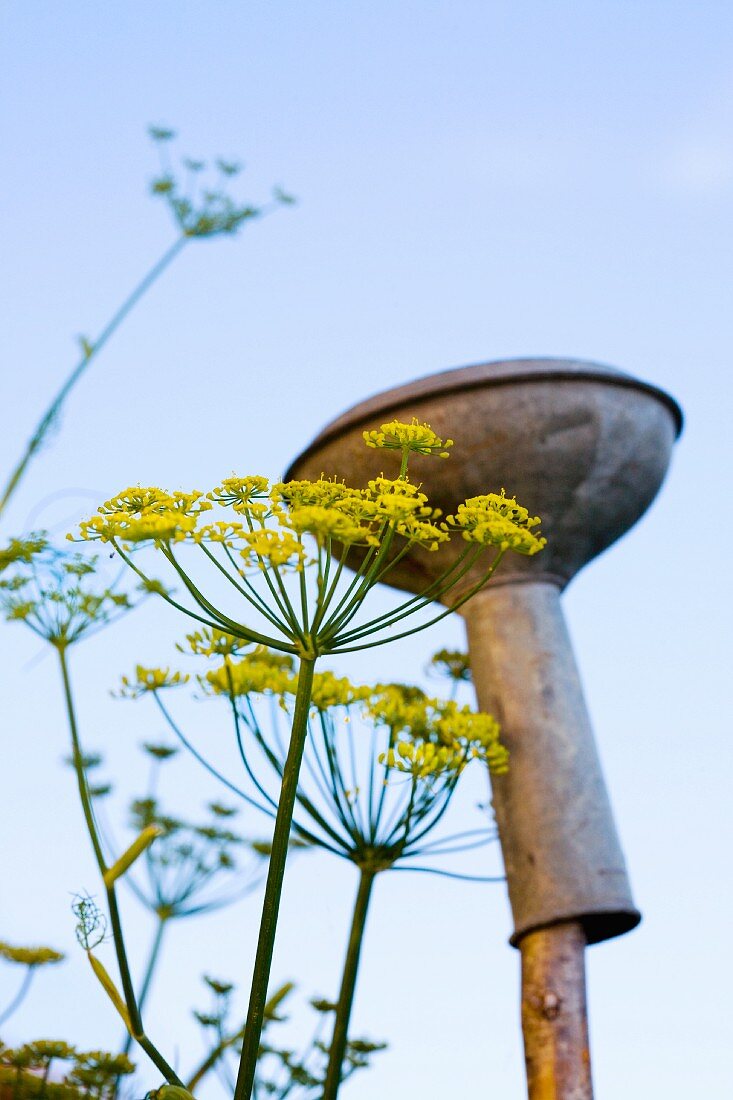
x=150 y=679
x=281 y=1071
x=452 y=664
x=202 y=208
x=58 y=595
x=30 y=956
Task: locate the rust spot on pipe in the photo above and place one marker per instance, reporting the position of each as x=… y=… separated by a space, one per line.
x=554 y=1019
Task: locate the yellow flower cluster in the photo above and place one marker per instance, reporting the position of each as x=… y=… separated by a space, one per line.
x=240 y=492
x=150 y=679
x=476 y=733
x=147 y=527
x=268 y=547
x=412 y=438
x=210 y=642
x=330 y=523
x=22 y=550
x=424 y=760
x=260 y=673
x=451 y=663
x=336 y=691
x=29 y=956
x=275 y=519
x=497 y=520
x=146 y=514
x=434 y=736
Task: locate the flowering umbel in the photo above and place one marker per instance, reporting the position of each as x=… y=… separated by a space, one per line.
x=283 y=550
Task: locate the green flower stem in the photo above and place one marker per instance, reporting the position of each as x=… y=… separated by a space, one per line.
x=348 y=985
x=273 y=888
x=114 y=914
x=423 y=626
x=153 y=959
x=53 y=410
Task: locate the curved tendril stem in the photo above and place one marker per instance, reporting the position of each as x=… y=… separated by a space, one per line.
x=20 y=996
x=451 y=874
x=341 y=802
x=445 y=795
x=273 y=887
x=47 y=420
x=281 y=600
x=203 y=761
x=348 y=986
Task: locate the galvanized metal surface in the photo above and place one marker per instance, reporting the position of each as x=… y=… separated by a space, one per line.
x=581 y=445
x=561 y=851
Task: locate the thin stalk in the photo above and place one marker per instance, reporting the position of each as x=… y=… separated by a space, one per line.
x=136 y=1023
x=19 y=996
x=153 y=959
x=273 y=887
x=348 y=986
x=90 y=353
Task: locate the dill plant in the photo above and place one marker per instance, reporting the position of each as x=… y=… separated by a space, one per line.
x=283 y=550
x=380 y=768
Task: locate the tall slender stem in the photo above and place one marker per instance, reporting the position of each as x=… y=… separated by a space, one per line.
x=131 y=1004
x=348 y=986
x=273 y=887
x=53 y=410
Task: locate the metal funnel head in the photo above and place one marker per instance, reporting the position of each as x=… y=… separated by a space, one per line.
x=582 y=445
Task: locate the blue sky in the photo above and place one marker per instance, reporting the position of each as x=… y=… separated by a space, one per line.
x=475 y=181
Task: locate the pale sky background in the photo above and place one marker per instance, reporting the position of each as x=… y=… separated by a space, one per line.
x=475 y=181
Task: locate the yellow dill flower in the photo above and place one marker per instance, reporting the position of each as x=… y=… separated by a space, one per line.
x=386 y=488
x=325 y=523
x=148 y=526
x=239 y=492
x=210 y=642
x=150 y=679
x=400 y=707
x=22 y=550
x=223 y=531
x=29 y=956
x=412 y=438
x=137 y=499
x=452 y=663
x=326 y=492
x=267 y=547
x=336 y=691
x=422 y=533
x=424 y=760
x=255 y=674
x=497 y=520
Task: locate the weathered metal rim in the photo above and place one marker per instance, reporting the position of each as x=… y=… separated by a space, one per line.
x=604 y=924
x=494 y=373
